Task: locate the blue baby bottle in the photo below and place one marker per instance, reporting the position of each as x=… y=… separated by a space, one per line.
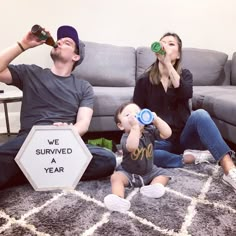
x=145 y=116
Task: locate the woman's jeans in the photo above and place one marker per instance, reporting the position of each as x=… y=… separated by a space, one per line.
x=200 y=133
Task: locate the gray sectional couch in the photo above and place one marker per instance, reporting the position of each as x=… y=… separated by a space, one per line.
x=113 y=71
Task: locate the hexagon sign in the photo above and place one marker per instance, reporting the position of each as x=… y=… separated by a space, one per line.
x=53 y=157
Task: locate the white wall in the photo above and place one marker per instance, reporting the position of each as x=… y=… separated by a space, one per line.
x=201 y=24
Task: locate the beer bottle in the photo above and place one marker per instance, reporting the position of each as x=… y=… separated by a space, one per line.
x=43 y=35
x=157 y=48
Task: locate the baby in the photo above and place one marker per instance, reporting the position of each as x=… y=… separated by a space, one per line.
x=137 y=168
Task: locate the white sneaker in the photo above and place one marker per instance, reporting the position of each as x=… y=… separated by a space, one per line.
x=200 y=156
x=153 y=191
x=230 y=179
x=116 y=203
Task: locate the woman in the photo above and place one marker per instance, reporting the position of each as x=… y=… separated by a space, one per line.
x=165 y=88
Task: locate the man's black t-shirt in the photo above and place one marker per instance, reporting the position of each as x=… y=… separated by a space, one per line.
x=48 y=98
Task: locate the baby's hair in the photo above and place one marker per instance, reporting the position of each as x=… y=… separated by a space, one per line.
x=119 y=110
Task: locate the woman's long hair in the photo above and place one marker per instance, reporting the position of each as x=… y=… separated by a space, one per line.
x=153 y=70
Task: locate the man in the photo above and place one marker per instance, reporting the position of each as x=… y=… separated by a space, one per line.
x=50 y=97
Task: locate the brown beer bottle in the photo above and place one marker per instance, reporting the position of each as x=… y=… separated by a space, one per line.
x=43 y=35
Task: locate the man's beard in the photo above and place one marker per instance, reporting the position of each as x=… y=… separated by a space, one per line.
x=56 y=57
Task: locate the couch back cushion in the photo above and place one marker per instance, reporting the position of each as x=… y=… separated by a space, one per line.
x=108 y=65
x=145 y=58
x=207 y=66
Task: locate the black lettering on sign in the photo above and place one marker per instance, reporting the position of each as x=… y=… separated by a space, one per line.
x=54 y=141
x=53 y=151
x=51 y=170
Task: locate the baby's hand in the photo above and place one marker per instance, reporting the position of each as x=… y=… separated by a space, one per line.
x=132 y=120
x=154 y=115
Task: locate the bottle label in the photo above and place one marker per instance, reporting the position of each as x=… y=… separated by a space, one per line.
x=43 y=35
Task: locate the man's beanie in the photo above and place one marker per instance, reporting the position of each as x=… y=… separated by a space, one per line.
x=70 y=32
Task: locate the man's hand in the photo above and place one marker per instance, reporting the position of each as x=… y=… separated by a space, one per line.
x=30 y=40
x=61 y=124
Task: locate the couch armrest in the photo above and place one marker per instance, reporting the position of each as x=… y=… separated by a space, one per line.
x=233 y=69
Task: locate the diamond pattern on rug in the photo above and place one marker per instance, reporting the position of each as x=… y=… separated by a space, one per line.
x=196 y=203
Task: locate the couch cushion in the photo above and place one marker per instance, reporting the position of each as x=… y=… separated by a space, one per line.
x=103 y=123
x=107 y=99
x=207 y=66
x=108 y=65
x=219 y=101
x=145 y=58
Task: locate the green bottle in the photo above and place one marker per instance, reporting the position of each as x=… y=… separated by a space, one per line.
x=157 y=48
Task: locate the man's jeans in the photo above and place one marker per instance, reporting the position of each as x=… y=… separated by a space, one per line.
x=102 y=164
x=200 y=133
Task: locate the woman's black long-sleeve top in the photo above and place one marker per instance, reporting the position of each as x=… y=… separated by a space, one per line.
x=171 y=105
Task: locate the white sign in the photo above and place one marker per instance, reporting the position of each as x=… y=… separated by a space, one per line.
x=53 y=157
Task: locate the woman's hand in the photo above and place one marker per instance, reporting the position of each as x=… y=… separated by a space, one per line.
x=166 y=58
x=168 y=71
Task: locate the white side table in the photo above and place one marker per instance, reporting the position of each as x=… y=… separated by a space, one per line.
x=9 y=97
